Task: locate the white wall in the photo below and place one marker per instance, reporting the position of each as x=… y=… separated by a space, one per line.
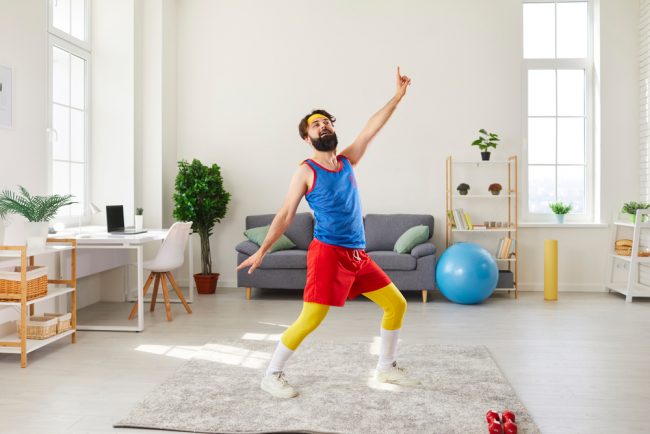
x=249 y=70
x=113 y=123
x=23 y=148
x=23 y=47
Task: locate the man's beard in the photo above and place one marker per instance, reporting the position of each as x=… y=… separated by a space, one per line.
x=326 y=143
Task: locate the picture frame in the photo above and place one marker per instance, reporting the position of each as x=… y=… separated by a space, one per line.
x=6 y=97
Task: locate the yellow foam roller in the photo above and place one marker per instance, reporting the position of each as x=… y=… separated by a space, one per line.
x=550 y=270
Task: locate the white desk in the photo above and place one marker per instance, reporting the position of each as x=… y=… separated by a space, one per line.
x=104 y=241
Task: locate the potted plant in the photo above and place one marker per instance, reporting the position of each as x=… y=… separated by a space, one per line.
x=38 y=210
x=139 y=219
x=486 y=141
x=463 y=188
x=495 y=188
x=560 y=210
x=201 y=199
x=631 y=207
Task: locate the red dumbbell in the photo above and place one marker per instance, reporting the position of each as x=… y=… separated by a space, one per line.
x=495 y=427
x=509 y=425
x=494 y=422
x=492 y=415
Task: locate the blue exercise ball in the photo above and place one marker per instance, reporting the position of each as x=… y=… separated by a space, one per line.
x=467 y=273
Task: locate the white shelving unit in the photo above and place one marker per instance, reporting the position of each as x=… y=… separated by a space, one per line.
x=631 y=287
x=509 y=197
x=56 y=287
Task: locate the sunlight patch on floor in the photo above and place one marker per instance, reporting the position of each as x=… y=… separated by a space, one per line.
x=261 y=337
x=237 y=356
x=178 y=351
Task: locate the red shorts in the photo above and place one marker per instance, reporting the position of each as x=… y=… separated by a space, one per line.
x=335 y=273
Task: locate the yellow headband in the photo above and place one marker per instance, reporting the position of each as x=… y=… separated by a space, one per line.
x=311 y=118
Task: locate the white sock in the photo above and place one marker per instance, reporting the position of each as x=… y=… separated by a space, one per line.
x=387 y=349
x=279 y=359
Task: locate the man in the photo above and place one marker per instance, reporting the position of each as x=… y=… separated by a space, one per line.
x=337 y=266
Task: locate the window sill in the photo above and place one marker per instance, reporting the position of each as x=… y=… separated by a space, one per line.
x=572 y=225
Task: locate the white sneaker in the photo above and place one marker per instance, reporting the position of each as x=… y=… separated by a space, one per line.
x=277 y=385
x=396 y=375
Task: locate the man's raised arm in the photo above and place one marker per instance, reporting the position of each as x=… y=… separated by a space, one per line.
x=355 y=151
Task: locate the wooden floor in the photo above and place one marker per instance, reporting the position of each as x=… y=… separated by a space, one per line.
x=580 y=365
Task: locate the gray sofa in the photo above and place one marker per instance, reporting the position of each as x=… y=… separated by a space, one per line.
x=288 y=268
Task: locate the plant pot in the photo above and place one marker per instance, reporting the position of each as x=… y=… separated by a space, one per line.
x=495 y=192
x=559 y=218
x=36 y=234
x=139 y=219
x=206 y=283
x=485 y=156
x=463 y=192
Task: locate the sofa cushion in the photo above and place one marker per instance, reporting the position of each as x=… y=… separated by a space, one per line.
x=258 y=235
x=411 y=238
x=424 y=249
x=394 y=261
x=300 y=231
x=247 y=247
x=383 y=230
x=285 y=259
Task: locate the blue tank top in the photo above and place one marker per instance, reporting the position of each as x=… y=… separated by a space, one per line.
x=334 y=198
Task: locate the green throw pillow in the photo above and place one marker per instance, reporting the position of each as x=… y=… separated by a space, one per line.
x=411 y=238
x=257 y=235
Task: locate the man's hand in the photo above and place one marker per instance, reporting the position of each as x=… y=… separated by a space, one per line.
x=402 y=83
x=254 y=261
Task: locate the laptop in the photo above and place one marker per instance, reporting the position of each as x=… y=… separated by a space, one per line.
x=115 y=221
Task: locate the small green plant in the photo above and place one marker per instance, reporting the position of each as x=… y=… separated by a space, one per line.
x=631 y=207
x=486 y=140
x=33 y=208
x=560 y=208
x=139 y=211
x=463 y=188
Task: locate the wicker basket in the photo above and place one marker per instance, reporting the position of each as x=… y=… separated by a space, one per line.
x=627 y=251
x=39 y=327
x=10 y=283
x=64 y=321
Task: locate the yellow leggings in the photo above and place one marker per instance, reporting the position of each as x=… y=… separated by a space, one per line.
x=388 y=298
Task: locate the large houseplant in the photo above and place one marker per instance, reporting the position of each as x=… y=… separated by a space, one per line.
x=38 y=210
x=201 y=199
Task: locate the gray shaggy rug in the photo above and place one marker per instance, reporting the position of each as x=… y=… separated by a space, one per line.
x=218 y=392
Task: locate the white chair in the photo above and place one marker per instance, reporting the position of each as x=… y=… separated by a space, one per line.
x=170 y=256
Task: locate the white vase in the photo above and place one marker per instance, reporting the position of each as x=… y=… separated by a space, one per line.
x=559 y=218
x=138 y=222
x=36 y=234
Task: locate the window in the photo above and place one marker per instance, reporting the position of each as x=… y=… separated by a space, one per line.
x=69 y=102
x=558 y=114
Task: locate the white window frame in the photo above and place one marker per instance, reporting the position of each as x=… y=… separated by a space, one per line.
x=74 y=46
x=591 y=214
x=86 y=44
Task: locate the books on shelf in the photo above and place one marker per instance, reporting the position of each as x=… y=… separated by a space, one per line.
x=460 y=219
x=505 y=248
